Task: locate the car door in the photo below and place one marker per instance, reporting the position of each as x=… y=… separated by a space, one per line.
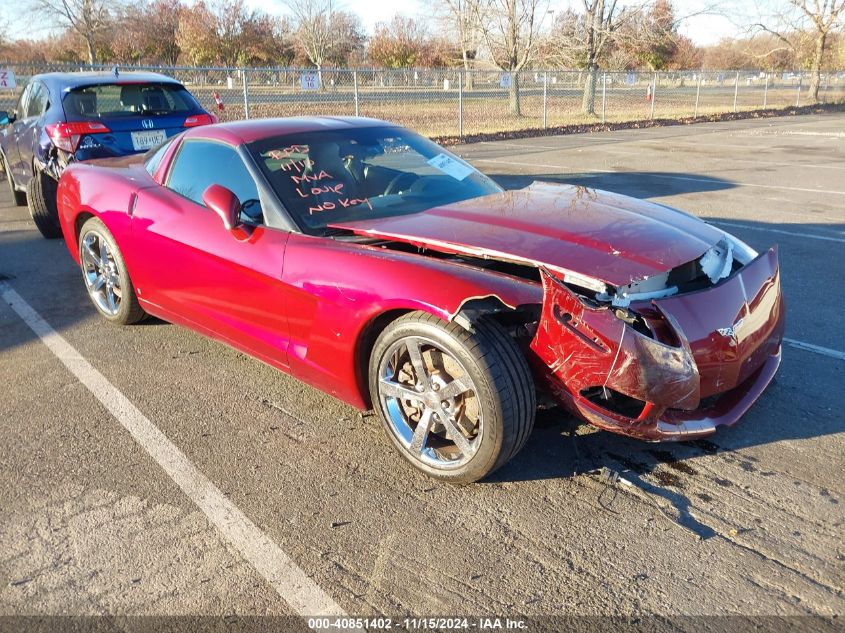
x=29 y=130
x=226 y=283
x=13 y=155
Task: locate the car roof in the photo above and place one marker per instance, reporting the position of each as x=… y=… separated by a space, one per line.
x=75 y=80
x=239 y=132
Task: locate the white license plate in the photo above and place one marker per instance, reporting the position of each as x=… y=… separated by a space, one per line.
x=147 y=139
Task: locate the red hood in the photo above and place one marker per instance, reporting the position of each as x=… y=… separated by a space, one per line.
x=572 y=229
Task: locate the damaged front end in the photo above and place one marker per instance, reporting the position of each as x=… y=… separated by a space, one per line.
x=663 y=329
x=667 y=358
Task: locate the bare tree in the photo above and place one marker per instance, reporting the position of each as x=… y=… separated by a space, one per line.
x=510 y=29
x=463 y=19
x=348 y=38
x=601 y=20
x=321 y=30
x=795 y=18
x=88 y=18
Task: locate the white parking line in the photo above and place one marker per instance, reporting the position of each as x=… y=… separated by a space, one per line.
x=812 y=236
x=650 y=145
x=265 y=556
x=802 y=133
x=817 y=349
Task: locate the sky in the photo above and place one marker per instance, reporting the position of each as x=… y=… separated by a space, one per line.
x=703 y=29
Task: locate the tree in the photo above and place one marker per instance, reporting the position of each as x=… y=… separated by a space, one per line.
x=441 y=52
x=160 y=22
x=601 y=20
x=687 y=55
x=230 y=34
x=817 y=18
x=323 y=34
x=90 y=19
x=655 y=35
x=509 y=29
x=147 y=33
x=196 y=35
x=405 y=43
x=349 y=38
x=400 y=43
x=463 y=19
x=243 y=34
x=588 y=39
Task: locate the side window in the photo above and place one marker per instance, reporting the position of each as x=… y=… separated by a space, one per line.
x=37 y=100
x=23 y=102
x=152 y=159
x=200 y=164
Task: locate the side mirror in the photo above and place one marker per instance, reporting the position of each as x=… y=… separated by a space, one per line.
x=5 y=118
x=224 y=203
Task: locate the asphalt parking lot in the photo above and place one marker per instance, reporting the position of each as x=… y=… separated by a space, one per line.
x=748 y=522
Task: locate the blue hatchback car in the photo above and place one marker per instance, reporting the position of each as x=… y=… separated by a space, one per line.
x=62 y=117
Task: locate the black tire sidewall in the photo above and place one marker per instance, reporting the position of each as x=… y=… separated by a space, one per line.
x=41 y=200
x=485 y=459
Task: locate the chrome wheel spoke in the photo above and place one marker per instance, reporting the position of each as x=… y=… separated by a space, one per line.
x=98 y=282
x=421 y=432
x=90 y=256
x=397 y=390
x=453 y=389
x=104 y=252
x=112 y=301
x=464 y=445
x=413 y=346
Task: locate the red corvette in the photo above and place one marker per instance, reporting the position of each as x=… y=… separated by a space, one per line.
x=375 y=265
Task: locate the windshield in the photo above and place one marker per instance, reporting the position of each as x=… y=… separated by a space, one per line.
x=343 y=175
x=127 y=100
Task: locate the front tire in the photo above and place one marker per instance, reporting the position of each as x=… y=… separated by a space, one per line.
x=456 y=404
x=106 y=278
x=41 y=199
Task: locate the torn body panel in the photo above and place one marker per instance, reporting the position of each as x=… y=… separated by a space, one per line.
x=646 y=376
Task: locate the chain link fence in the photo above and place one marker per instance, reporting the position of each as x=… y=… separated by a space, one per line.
x=452 y=102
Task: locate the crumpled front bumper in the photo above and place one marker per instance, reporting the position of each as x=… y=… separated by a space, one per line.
x=704 y=359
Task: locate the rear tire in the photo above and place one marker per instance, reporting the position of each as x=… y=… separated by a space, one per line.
x=41 y=198
x=106 y=278
x=475 y=383
x=18 y=197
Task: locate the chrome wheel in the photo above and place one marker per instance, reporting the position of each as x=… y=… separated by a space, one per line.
x=430 y=402
x=102 y=276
